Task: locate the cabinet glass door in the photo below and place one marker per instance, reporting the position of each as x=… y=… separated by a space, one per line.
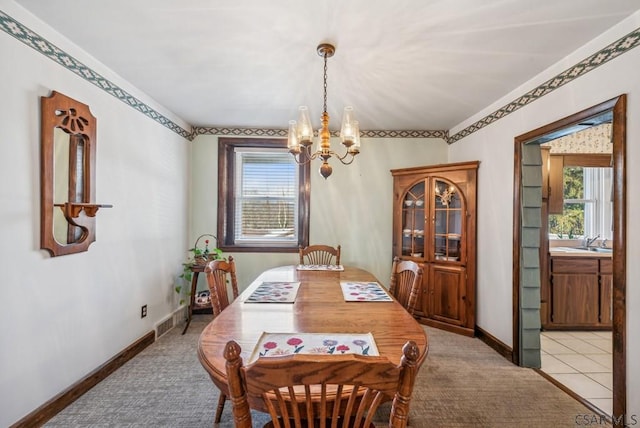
x=413 y=218
x=447 y=213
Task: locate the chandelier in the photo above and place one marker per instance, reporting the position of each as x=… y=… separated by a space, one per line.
x=300 y=136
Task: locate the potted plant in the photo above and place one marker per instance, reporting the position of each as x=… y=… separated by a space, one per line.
x=197 y=257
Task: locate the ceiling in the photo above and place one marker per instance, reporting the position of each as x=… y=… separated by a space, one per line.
x=403 y=65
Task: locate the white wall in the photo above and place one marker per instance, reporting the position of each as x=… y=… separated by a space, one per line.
x=63 y=317
x=494 y=147
x=351 y=208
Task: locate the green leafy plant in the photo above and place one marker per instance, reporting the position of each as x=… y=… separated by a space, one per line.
x=196 y=257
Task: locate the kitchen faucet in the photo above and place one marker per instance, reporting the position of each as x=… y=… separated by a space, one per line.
x=589 y=241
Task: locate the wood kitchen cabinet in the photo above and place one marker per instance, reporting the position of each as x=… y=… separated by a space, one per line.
x=606 y=292
x=434 y=224
x=579 y=293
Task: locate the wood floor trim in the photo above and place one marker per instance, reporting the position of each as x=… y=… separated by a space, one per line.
x=603 y=416
x=52 y=407
x=493 y=342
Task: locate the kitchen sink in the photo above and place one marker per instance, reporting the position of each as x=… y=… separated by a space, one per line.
x=596 y=249
x=581 y=249
x=601 y=250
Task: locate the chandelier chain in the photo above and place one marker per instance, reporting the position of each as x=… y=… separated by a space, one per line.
x=324 y=106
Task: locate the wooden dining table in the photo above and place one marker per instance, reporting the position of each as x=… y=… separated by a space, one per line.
x=319 y=307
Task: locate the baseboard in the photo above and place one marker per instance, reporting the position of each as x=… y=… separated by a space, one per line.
x=52 y=407
x=465 y=331
x=493 y=342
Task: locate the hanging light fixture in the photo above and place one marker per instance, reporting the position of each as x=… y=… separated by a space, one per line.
x=300 y=136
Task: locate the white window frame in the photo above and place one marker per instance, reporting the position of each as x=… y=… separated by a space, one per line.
x=275 y=238
x=598 y=204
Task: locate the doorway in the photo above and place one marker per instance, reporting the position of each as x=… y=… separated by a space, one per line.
x=526 y=258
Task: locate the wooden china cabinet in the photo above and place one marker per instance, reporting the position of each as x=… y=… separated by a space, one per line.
x=434 y=224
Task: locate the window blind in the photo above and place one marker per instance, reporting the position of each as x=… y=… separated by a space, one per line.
x=266 y=196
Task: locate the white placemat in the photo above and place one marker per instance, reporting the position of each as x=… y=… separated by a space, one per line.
x=274 y=292
x=275 y=344
x=356 y=291
x=321 y=267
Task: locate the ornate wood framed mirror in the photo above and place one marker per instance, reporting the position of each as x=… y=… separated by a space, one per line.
x=67 y=175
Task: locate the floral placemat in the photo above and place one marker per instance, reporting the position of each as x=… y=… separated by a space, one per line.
x=355 y=291
x=274 y=344
x=274 y=292
x=321 y=267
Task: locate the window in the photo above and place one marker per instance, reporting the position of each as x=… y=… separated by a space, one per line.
x=588 y=207
x=263 y=196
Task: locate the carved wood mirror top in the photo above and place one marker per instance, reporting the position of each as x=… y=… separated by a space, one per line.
x=67 y=180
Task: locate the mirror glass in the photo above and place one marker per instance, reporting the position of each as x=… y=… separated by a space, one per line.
x=68 y=182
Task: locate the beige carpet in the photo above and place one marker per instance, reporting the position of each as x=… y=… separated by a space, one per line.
x=463 y=383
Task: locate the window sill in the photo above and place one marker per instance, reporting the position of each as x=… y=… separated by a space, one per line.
x=257 y=249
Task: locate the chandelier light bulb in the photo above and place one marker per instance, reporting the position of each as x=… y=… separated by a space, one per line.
x=292 y=140
x=347 y=130
x=355 y=148
x=305 y=130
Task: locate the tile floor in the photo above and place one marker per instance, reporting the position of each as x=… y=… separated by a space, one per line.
x=582 y=361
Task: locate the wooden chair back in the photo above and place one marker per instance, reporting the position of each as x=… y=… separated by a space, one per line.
x=319 y=255
x=332 y=390
x=219 y=273
x=406 y=279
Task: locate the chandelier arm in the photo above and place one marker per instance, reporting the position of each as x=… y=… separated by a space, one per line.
x=343 y=157
x=304 y=155
x=298 y=159
x=343 y=162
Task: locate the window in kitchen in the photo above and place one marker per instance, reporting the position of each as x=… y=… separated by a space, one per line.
x=588 y=207
x=263 y=196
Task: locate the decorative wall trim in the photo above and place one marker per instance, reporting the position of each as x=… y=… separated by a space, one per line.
x=51 y=51
x=239 y=132
x=282 y=133
x=614 y=50
x=444 y=134
x=35 y=41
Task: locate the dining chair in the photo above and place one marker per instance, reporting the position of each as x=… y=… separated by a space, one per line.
x=319 y=255
x=406 y=280
x=219 y=274
x=313 y=390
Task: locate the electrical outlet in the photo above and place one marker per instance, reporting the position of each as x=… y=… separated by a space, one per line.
x=143 y=311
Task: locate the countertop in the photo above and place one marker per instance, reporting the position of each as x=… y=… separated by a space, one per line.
x=577 y=252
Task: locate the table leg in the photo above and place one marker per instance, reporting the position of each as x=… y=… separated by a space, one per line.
x=192 y=299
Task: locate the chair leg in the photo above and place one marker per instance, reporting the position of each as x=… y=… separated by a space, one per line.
x=221 y=399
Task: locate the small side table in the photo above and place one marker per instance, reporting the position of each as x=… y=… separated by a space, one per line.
x=195 y=272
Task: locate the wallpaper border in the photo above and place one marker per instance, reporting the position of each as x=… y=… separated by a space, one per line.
x=37 y=42
x=270 y=132
x=614 y=50
x=51 y=51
